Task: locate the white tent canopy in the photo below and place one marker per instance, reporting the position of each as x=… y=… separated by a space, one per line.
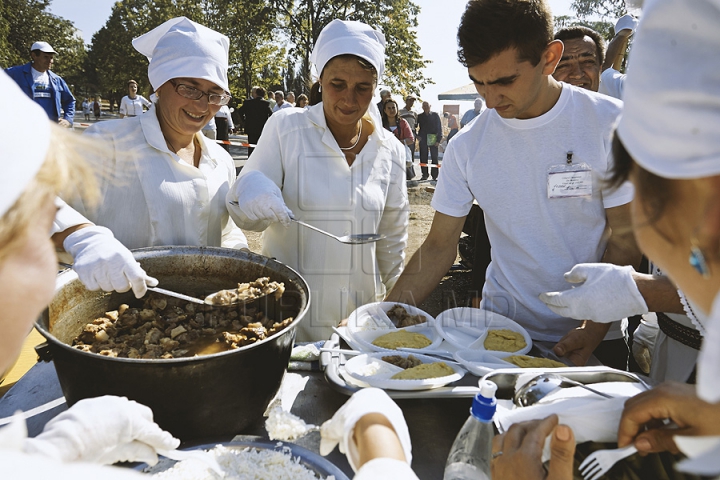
x=466 y=93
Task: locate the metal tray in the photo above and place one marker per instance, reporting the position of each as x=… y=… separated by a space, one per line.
x=467 y=387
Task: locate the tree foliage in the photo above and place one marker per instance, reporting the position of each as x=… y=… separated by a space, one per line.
x=303 y=20
x=270 y=40
x=605 y=9
x=23 y=22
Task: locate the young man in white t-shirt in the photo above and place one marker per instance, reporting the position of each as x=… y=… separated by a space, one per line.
x=535 y=160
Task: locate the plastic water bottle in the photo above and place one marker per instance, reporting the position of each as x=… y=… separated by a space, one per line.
x=471 y=452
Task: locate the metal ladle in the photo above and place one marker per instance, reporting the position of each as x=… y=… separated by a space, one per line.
x=349 y=239
x=208 y=300
x=543 y=385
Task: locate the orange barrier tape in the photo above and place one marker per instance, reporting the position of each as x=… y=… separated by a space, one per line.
x=239 y=144
x=431 y=165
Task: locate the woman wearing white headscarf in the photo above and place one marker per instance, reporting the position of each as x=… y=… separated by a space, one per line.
x=162 y=183
x=668 y=144
x=336 y=167
x=101 y=430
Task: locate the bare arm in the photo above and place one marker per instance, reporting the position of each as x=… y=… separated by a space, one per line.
x=616 y=50
x=376 y=438
x=430 y=263
x=659 y=293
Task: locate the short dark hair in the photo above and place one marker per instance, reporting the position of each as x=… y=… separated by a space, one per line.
x=490 y=27
x=260 y=92
x=580 y=31
x=132 y=82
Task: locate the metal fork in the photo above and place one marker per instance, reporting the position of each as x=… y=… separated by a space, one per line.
x=598 y=463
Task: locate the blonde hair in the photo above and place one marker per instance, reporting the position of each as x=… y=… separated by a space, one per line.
x=64 y=172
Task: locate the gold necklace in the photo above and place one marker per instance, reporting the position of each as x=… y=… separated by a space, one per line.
x=356 y=141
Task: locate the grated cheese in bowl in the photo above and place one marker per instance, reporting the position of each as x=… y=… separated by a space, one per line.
x=243 y=464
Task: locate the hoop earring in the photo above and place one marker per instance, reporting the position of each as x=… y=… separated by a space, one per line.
x=697 y=259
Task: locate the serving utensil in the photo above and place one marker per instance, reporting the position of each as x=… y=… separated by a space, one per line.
x=349 y=239
x=542 y=385
x=208 y=300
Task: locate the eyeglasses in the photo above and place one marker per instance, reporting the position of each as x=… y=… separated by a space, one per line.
x=193 y=93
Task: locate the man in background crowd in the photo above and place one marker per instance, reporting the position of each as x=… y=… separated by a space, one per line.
x=430 y=136
x=411 y=118
x=478 y=107
x=280 y=102
x=45 y=87
x=254 y=113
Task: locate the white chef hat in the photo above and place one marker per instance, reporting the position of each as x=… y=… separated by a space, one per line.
x=342 y=37
x=183 y=48
x=671 y=120
x=22 y=150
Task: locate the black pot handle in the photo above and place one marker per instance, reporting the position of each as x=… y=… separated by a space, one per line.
x=44 y=352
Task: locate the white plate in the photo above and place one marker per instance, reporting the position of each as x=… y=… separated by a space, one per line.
x=466 y=328
x=479 y=362
x=372 y=370
x=373 y=316
x=365 y=338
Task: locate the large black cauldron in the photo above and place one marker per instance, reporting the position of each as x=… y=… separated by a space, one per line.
x=208 y=396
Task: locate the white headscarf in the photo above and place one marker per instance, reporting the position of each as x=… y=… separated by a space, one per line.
x=183 y=48
x=671 y=119
x=22 y=150
x=342 y=37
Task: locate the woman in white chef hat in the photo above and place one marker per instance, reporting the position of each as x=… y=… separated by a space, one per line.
x=161 y=182
x=101 y=430
x=668 y=144
x=333 y=166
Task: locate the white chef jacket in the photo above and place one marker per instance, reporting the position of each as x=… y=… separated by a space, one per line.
x=150 y=197
x=132 y=107
x=17 y=464
x=298 y=152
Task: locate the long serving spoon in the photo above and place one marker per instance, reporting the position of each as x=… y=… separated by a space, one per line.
x=349 y=239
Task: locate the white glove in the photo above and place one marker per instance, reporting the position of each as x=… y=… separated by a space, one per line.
x=607 y=293
x=339 y=429
x=644 y=343
x=261 y=200
x=103 y=263
x=103 y=430
x=626 y=22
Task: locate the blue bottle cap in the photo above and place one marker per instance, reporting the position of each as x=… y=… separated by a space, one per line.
x=484 y=403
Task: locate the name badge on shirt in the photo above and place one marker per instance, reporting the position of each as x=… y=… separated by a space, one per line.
x=569 y=180
x=41 y=91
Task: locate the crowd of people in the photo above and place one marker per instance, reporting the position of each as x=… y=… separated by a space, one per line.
x=574 y=185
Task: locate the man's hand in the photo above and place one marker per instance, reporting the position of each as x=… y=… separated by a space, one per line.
x=677 y=402
x=520 y=450
x=579 y=344
x=64 y=123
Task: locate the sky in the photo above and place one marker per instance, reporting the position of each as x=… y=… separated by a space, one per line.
x=438 y=22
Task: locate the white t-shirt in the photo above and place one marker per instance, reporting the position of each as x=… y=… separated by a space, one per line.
x=612 y=83
x=132 y=107
x=281 y=107
x=503 y=163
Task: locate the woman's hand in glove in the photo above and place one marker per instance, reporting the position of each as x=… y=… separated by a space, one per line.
x=259 y=199
x=605 y=293
x=103 y=263
x=103 y=430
